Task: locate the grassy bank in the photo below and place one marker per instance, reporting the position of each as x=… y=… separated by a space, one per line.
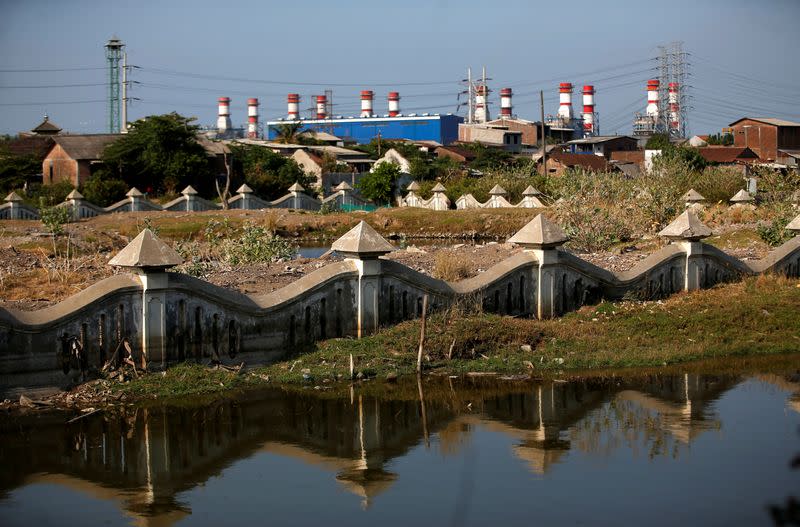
x=757 y=316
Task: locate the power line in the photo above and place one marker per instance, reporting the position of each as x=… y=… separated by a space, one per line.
x=48 y=70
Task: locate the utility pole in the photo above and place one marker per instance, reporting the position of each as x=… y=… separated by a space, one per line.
x=469 y=95
x=544 y=138
x=124 y=120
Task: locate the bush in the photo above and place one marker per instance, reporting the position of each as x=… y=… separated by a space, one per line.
x=48 y=195
x=104 y=191
x=774 y=233
x=54 y=218
x=449 y=266
x=255 y=245
x=379 y=185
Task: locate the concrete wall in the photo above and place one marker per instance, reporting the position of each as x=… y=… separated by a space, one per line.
x=189 y=319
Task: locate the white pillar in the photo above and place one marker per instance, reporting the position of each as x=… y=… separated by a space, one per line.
x=154 y=299
x=369 y=286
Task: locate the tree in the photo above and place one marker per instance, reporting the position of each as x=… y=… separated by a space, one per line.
x=288 y=133
x=160 y=153
x=268 y=174
x=379 y=185
x=720 y=139
x=103 y=189
x=658 y=142
x=15 y=168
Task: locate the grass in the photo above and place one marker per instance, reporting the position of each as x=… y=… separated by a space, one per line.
x=757 y=316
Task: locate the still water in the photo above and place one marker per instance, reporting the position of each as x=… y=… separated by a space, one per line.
x=656 y=449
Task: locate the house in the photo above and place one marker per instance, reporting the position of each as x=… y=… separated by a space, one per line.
x=560 y=161
x=393 y=156
x=310 y=163
x=531 y=131
x=497 y=136
x=628 y=156
x=457 y=153
x=766 y=136
x=323 y=137
x=728 y=155
x=602 y=145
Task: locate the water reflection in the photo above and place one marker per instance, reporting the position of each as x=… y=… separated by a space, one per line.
x=144 y=459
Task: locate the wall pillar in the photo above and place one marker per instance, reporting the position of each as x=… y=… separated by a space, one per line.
x=369 y=287
x=546 y=280
x=153 y=324
x=693 y=270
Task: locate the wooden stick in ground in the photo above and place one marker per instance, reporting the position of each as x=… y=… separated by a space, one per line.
x=422 y=332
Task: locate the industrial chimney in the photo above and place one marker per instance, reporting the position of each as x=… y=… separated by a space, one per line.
x=481 y=114
x=506 y=109
x=652 y=99
x=674 y=108
x=588 y=110
x=394 y=104
x=565 y=101
x=252 y=118
x=366 y=103
x=322 y=103
x=293 y=106
x=224 y=115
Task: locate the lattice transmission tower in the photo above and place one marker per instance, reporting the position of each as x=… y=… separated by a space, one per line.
x=114 y=51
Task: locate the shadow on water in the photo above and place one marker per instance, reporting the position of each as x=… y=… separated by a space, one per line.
x=143 y=459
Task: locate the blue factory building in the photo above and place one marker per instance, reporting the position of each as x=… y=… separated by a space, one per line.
x=434 y=127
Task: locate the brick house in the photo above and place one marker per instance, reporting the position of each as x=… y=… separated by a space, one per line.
x=765 y=136
x=72 y=156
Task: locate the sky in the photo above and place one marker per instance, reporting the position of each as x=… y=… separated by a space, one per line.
x=742 y=56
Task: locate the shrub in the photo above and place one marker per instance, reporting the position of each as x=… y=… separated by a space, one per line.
x=255 y=245
x=54 y=218
x=774 y=233
x=104 y=191
x=379 y=185
x=449 y=266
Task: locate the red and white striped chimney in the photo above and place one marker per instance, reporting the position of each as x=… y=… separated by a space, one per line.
x=366 y=103
x=224 y=115
x=394 y=104
x=652 y=98
x=322 y=103
x=506 y=109
x=252 y=118
x=480 y=103
x=293 y=106
x=565 y=101
x=674 y=107
x=588 y=110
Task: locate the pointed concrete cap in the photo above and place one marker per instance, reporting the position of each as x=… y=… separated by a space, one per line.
x=13 y=197
x=244 y=189
x=497 y=190
x=530 y=191
x=74 y=194
x=413 y=186
x=362 y=242
x=794 y=225
x=692 y=196
x=134 y=193
x=343 y=186
x=147 y=252
x=189 y=191
x=439 y=188
x=296 y=188
x=539 y=233
x=741 y=197
x=686 y=227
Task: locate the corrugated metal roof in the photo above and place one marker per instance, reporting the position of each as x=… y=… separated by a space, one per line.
x=597 y=139
x=768 y=120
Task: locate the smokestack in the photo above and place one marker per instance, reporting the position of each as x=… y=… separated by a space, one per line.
x=652 y=99
x=588 y=110
x=322 y=103
x=505 y=103
x=674 y=107
x=565 y=101
x=224 y=115
x=252 y=118
x=366 y=103
x=480 y=103
x=293 y=106
x=394 y=104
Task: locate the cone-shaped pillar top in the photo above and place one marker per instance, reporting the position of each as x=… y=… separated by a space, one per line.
x=497 y=190
x=189 y=191
x=539 y=233
x=343 y=186
x=794 y=225
x=439 y=188
x=13 y=197
x=134 y=193
x=530 y=191
x=74 y=194
x=741 y=197
x=362 y=242
x=244 y=189
x=296 y=187
x=147 y=252
x=686 y=227
x=413 y=186
x=692 y=196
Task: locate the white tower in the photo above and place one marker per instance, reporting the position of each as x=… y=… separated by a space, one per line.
x=394 y=104
x=322 y=103
x=588 y=110
x=366 y=103
x=565 y=101
x=224 y=115
x=506 y=109
x=293 y=106
x=652 y=100
x=252 y=118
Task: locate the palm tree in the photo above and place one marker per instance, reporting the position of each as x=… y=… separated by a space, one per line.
x=288 y=132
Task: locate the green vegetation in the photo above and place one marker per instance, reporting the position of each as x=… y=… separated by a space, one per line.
x=103 y=190
x=720 y=139
x=14 y=169
x=267 y=173
x=159 y=154
x=256 y=244
x=380 y=184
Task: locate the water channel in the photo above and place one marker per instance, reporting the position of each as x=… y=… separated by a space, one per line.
x=655 y=448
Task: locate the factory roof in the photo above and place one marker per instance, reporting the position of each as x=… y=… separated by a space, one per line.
x=376 y=118
x=88 y=146
x=321 y=136
x=598 y=139
x=726 y=154
x=767 y=120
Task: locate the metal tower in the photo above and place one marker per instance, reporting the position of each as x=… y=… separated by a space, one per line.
x=673 y=72
x=113 y=56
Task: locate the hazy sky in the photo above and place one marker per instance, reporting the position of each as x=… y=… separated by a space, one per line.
x=743 y=56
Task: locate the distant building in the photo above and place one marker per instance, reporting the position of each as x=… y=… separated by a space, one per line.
x=72 y=157
x=559 y=161
x=531 y=131
x=728 y=155
x=766 y=136
x=603 y=145
x=457 y=153
x=497 y=136
x=47 y=128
